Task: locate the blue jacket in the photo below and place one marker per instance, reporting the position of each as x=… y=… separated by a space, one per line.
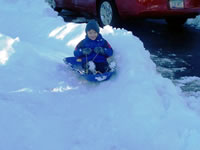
x=88 y=43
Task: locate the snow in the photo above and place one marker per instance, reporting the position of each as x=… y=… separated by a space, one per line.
x=194 y=22
x=45 y=106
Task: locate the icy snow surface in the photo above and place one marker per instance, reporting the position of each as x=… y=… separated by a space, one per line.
x=45 y=106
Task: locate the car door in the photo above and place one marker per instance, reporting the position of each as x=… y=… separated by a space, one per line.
x=64 y=3
x=85 y=5
x=69 y=2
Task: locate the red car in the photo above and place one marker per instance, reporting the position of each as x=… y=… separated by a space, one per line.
x=110 y=11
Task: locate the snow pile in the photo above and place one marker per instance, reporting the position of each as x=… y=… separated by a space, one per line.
x=20 y=18
x=6 y=48
x=43 y=105
x=194 y=22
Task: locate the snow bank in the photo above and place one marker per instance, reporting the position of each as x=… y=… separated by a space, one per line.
x=43 y=105
x=194 y=22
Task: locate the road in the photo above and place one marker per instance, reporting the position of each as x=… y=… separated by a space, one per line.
x=171 y=47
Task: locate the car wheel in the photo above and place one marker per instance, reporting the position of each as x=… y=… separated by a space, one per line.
x=107 y=13
x=52 y=3
x=176 y=21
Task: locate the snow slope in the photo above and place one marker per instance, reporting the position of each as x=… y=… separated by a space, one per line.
x=45 y=106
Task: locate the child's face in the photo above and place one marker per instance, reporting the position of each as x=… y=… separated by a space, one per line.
x=92 y=34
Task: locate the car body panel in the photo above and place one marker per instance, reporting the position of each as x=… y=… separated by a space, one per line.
x=85 y=5
x=136 y=8
x=64 y=3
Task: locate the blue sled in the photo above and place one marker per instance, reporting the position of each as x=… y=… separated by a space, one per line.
x=76 y=65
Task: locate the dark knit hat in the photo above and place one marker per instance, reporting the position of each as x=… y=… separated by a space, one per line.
x=92 y=24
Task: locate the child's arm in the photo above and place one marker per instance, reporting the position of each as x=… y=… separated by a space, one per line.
x=108 y=49
x=81 y=50
x=78 y=50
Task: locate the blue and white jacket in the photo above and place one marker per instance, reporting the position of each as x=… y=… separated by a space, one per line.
x=88 y=43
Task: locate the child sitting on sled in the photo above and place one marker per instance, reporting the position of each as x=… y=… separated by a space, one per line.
x=94 y=50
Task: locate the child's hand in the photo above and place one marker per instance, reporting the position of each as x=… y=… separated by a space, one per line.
x=86 y=51
x=99 y=50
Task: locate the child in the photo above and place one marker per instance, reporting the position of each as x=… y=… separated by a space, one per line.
x=93 y=50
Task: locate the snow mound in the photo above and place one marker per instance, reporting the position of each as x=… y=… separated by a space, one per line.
x=43 y=105
x=194 y=22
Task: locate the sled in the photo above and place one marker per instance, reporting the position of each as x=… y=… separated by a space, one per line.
x=76 y=65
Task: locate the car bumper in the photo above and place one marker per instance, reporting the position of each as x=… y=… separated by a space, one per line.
x=162 y=13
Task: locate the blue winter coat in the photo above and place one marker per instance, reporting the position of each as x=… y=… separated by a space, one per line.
x=88 y=43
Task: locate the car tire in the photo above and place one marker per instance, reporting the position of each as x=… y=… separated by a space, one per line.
x=176 y=21
x=107 y=13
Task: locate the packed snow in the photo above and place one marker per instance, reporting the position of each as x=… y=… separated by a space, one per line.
x=194 y=22
x=46 y=106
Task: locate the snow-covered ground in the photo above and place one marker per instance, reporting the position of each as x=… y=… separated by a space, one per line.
x=45 y=106
x=194 y=22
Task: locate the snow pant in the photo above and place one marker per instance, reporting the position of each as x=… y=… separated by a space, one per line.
x=101 y=67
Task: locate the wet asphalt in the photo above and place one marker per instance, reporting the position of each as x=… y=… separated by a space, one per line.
x=180 y=45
